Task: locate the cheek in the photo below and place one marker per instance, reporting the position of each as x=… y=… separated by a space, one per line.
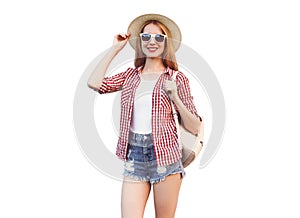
x=144 y=49
x=161 y=48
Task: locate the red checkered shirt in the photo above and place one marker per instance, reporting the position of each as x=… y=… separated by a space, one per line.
x=165 y=140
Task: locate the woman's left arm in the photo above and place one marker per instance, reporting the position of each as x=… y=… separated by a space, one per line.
x=183 y=100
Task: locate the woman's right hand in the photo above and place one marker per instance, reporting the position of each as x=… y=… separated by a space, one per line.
x=120 y=40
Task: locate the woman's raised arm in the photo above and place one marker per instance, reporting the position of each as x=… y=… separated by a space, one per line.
x=95 y=79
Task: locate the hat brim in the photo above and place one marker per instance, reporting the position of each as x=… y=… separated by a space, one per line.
x=135 y=26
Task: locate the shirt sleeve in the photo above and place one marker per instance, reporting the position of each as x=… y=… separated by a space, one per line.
x=113 y=83
x=184 y=92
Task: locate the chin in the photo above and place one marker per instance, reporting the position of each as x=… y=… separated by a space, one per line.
x=153 y=55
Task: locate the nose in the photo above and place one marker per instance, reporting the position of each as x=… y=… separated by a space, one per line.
x=152 y=41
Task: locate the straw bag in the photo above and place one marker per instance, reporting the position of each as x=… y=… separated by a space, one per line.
x=190 y=144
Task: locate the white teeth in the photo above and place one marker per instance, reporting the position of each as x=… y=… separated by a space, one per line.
x=152 y=49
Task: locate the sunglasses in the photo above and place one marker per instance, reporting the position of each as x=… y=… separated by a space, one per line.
x=158 y=37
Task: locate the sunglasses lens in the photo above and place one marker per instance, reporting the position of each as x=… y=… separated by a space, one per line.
x=159 y=38
x=146 y=37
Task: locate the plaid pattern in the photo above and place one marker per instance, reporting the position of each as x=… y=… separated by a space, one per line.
x=164 y=132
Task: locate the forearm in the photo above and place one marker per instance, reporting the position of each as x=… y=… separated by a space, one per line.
x=191 y=122
x=95 y=79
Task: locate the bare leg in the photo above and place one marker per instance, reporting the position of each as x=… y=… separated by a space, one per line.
x=134 y=198
x=166 y=196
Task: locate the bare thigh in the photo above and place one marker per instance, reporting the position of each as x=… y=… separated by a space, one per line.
x=134 y=198
x=166 y=196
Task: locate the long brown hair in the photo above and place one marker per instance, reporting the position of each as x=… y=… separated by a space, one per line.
x=168 y=56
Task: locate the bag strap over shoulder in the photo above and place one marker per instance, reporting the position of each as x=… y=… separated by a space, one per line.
x=174 y=75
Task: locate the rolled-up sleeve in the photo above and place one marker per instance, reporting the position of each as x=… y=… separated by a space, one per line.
x=184 y=92
x=113 y=83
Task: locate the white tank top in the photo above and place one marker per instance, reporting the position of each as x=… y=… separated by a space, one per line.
x=142 y=109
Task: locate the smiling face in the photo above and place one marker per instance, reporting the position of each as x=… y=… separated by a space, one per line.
x=153 y=48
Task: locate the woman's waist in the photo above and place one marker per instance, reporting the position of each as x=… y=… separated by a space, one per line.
x=140 y=139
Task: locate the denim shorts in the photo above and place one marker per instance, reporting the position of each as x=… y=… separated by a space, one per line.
x=141 y=161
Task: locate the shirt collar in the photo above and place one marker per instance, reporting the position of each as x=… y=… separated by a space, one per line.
x=169 y=71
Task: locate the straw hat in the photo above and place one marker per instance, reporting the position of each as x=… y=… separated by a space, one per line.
x=136 y=25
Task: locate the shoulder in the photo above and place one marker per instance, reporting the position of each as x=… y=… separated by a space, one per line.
x=133 y=70
x=181 y=76
x=131 y=75
x=129 y=72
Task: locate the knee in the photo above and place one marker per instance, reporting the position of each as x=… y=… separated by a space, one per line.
x=164 y=214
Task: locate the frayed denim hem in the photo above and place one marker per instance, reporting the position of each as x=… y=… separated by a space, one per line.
x=135 y=178
x=158 y=180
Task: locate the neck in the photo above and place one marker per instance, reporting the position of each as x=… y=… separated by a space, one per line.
x=153 y=65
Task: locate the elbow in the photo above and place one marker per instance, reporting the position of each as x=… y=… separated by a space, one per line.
x=193 y=128
x=196 y=130
x=93 y=86
x=197 y=127
x=200 y=130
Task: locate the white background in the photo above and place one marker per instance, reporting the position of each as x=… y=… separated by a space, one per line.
x=253 y=48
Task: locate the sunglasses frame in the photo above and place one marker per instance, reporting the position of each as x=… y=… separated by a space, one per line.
x=153 y=36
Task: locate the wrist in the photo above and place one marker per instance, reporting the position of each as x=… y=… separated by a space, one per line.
x=115 y=49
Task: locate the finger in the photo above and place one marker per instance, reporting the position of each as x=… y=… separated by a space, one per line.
x=124 y=35
x=121 y=37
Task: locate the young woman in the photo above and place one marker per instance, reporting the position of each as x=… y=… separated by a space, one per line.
x=148 y=141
